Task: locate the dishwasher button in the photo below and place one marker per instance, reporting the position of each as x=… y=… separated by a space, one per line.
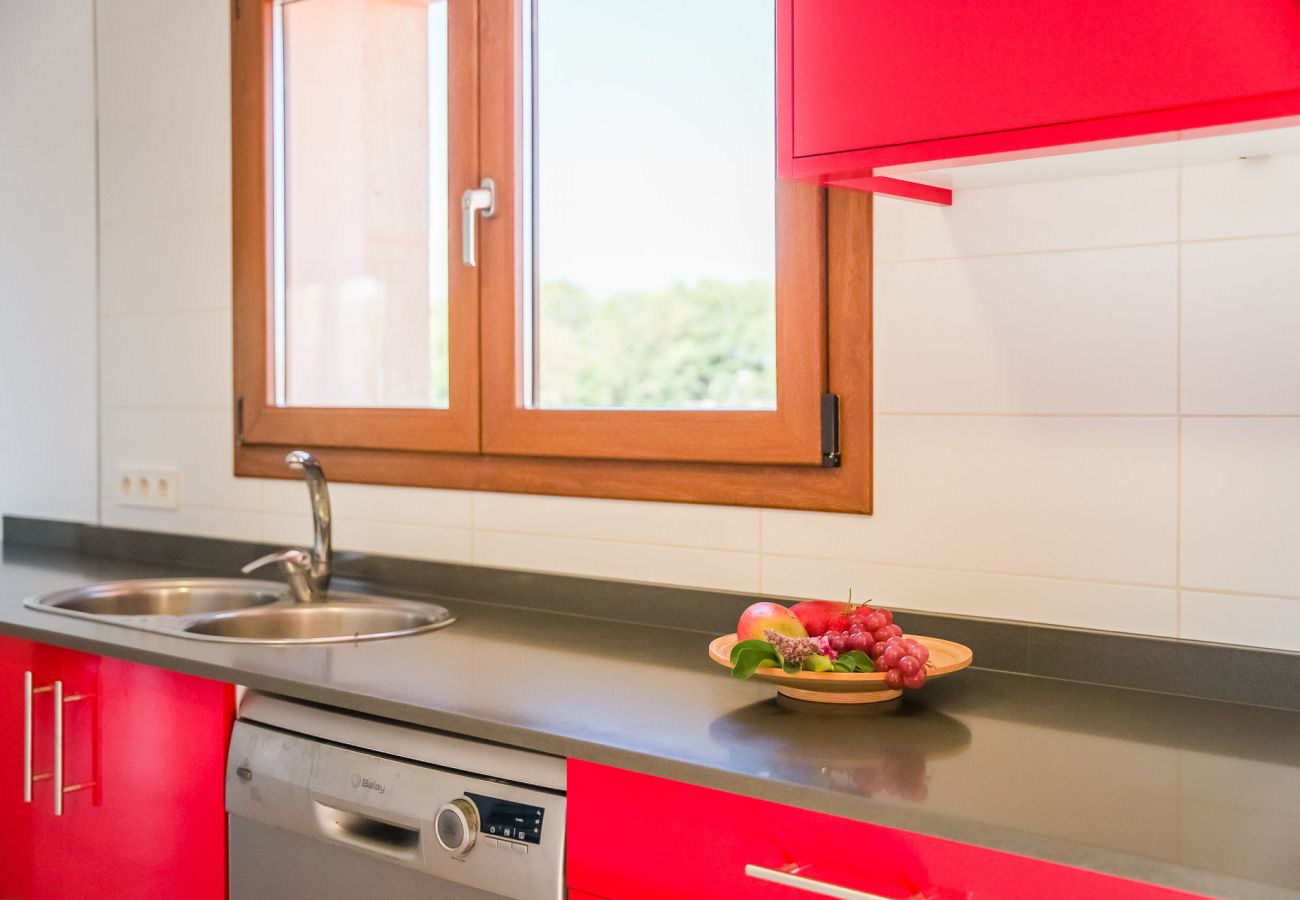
x=520 y=848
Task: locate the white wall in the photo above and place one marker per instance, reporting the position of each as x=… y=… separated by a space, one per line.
x=48 y=405
x=1088 y=393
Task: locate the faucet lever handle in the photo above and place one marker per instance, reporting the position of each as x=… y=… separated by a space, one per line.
x=296 y=566
x=288 y=560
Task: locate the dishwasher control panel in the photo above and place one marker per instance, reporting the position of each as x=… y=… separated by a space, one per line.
x=504 y=819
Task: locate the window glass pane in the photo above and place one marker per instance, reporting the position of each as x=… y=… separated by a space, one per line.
x=653 y=145
x=360 y=110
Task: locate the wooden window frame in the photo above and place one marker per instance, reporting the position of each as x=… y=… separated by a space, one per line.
x=488 y=439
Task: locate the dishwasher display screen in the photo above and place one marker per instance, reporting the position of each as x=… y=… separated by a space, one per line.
x=502 y=818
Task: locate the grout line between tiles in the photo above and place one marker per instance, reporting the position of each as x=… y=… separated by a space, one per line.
x=957 y=570
x=1178 y=405
x=624 y=542
x=142 y=313
x=1055 y=251
x=1087 y=415
x=224 y=407
x=99 y=268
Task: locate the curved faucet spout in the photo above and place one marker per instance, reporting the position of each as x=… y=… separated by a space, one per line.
x=322 y=545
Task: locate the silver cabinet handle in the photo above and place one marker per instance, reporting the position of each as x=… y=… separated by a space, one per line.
x=58 y=748
x=475 y=201
x=27 y=737
x=790 y=877
x=56 y=774
x=60 y=700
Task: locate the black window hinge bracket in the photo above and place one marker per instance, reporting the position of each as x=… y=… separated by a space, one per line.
x=830 y=431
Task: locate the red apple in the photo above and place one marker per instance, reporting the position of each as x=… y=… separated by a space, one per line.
x=817 y=615
x=761 y=616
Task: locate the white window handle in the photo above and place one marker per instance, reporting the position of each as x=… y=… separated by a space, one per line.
x=790 y=877
x=482 y=199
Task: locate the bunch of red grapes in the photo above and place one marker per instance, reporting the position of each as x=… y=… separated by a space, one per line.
x=872 y=631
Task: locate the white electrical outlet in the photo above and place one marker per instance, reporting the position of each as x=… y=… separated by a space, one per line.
x=159 y=488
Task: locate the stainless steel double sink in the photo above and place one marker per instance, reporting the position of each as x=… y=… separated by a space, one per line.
x=240 y=610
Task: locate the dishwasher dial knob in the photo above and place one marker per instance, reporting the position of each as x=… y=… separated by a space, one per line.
x=456 y=825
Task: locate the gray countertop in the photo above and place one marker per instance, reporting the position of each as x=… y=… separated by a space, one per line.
x=1193 y=794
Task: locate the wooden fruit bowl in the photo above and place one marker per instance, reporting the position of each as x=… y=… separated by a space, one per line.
x=848 y=687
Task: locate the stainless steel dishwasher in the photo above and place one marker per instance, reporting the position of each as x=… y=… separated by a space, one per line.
x=327 y=804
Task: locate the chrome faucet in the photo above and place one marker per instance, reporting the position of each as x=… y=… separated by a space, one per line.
x=309 y=576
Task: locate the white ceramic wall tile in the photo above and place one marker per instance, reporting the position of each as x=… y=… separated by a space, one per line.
x=1090 y=498
x=172 y=360
x=720 y=569
x=1241 y=197
x=140 y=72
x=1238 y=619
x=233 y=524
x=1241 y=318
x=404 y=539
x=47 y=260
x=166 y=264
x=1088 y=332
x=172 y=167
x=677 y=524
x=196 y=442
x=116 y=16
x=374 y=503
x=1103 y=211
x=288 y=530
x=1075 y=604
x=1241 y=491
x=416 y=506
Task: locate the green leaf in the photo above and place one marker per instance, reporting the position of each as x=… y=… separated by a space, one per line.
x=750 y=659
x=753 y=644
x=856 y=661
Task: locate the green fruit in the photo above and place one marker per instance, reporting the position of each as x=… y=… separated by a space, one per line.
x=769 y=664
x=818 y=663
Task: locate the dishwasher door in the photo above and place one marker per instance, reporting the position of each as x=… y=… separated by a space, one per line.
x=312 y=820
x=269 y=864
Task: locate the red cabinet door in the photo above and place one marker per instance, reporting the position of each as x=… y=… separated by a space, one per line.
x=706 y=844
x=144 y=771
x=17 y=669
x=139 y=755
x=30 y=838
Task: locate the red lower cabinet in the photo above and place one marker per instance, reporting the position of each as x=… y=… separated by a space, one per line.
x=707 y=844
x=117 y=784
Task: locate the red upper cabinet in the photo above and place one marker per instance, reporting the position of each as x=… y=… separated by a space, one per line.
x=870 y=84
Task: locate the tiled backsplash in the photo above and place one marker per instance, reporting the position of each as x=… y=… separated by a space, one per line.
x=1088 y=391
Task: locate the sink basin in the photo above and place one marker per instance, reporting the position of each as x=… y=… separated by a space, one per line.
x=321 y=622
x=231 y=609
x=158 y=597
